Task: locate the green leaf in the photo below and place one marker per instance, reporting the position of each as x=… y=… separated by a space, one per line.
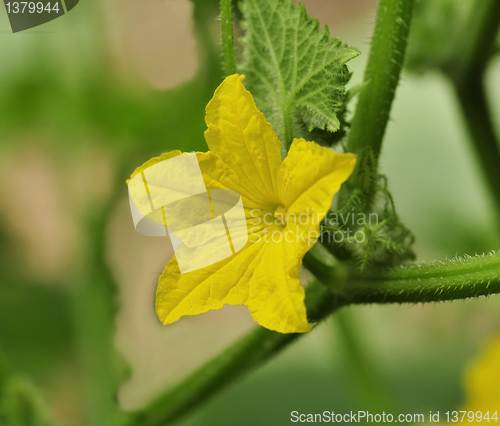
x=296 y=73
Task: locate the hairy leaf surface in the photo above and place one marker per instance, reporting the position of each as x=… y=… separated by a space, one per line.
x=295 y=71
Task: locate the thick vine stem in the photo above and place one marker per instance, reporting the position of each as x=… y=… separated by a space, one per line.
x=382 y=73
x=432 y=282
x=226 y=15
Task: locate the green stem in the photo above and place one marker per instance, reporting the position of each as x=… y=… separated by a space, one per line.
x=382 y=76
x=421 y=283
x=474 y=106
x=478 y=42
x=250 y=352
x=466 y=71
x=226 y=14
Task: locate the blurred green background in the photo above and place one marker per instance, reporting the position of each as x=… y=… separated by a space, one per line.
x=90 y=96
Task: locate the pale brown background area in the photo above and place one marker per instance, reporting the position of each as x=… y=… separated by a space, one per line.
x=156 y=39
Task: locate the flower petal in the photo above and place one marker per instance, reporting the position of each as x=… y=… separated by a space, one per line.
x=192 y=293
x=263 y=276
x=311 y=175
x=240 y=134
x=276 y=297
x=216 y=175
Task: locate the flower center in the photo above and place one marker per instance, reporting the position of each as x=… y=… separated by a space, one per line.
x=280 y=214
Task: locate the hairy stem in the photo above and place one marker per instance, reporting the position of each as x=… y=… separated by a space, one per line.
x=382 y=76
x=431 y=282
x=226 y=14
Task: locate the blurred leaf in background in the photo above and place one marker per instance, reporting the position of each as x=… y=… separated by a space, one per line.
x=436 y=29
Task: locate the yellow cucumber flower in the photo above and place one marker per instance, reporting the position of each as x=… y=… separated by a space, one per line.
x=283 y=200
x=482 y=383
